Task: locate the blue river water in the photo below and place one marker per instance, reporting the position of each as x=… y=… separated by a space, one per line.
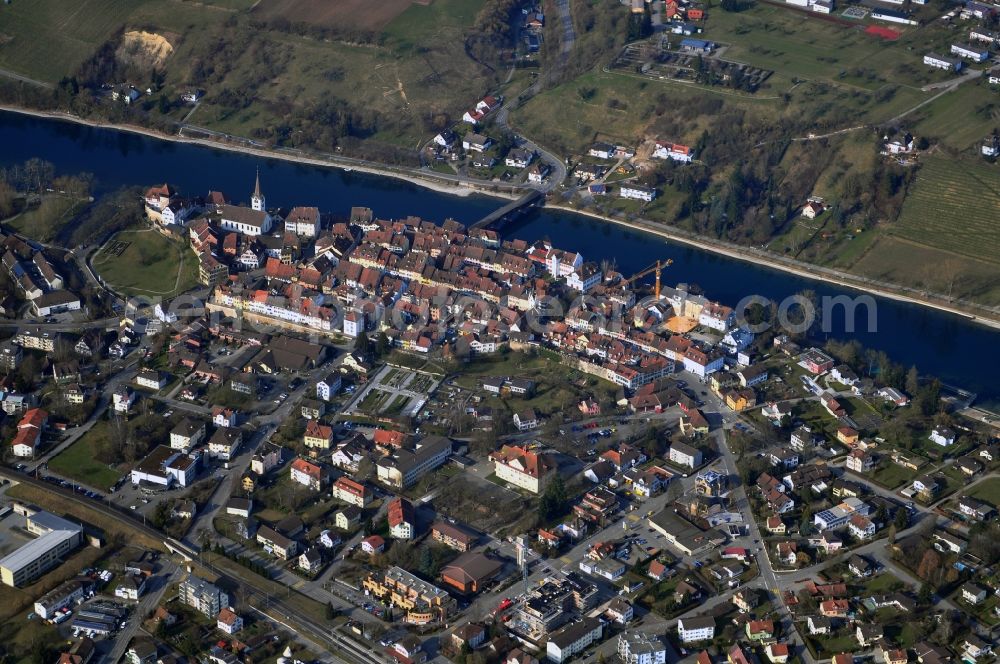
x=948 y=346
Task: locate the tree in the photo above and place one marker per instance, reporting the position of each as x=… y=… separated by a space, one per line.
x=901 y=520
x=383 y=344
x=331 y=611
x=930 y=566
x=427 y=564
x=554 y=501
x=928 y=398
x=805 y=520
x=361 y=344
x=912 y=381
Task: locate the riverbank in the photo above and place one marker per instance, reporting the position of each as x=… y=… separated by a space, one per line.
x=782 y=264
x=427 y=180
x=938 y=302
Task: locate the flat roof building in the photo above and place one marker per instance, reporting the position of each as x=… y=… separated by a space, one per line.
x=56 y=538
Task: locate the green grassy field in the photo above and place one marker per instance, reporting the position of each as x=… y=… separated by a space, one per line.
x=943 y=187
x=962 y=118
x=151 y=264
x=46 y=39
x=920 y=266
x=44 y=222
x=419 y=25
x=79 y=462
x=987 y=491
x=797 y=44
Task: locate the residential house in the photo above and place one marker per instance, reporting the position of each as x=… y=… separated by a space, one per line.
x=696 y=628
x=973 y=593
x=402 y=522
x=868 y=634
x=524 y=468
x=942 y=436
x=228 y=621
x=525 y=420
x=684 y=455
x=317 y=435
x=351 y=492
x=308 y=474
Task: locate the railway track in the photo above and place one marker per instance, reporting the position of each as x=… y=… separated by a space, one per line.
x=341 y=648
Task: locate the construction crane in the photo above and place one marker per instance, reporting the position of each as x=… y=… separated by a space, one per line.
x=656 y=267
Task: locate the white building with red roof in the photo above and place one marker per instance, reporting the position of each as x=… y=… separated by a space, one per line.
x=523 y=468
x=353 y=493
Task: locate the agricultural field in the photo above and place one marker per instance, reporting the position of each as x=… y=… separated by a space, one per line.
x=944 y=186
x=146 y=263
x=47 y=39
x=921 y=266
x=354 y=13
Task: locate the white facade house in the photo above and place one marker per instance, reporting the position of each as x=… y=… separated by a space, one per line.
x=674 y=151
x=943 y=437
x=838 y=515
x=327 y=387
x=637 y=192
x=123 y=398
x=684 y=455
x=585 y=277
x=150 y=379
x=942 y=62
x=970 y=52
x=229 y=621
x=354 y=323
x=573 y=638
x=698 y=628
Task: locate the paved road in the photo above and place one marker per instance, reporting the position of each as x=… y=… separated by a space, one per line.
x=170 y=573
x=25 y=79
x=319 y=638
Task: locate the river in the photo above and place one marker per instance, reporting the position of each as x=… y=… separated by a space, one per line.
x=948 y=346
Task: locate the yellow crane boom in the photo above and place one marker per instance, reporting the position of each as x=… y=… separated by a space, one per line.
x=656 y=268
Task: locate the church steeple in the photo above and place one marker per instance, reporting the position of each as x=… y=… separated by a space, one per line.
x=257 y=200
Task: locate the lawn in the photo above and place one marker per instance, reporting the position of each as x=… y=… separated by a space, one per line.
x=44 y=222
x=881 y=584
x=988 y=491
x=961 y=118
x=150 y=264
x=894 y=475
x=79 y=460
